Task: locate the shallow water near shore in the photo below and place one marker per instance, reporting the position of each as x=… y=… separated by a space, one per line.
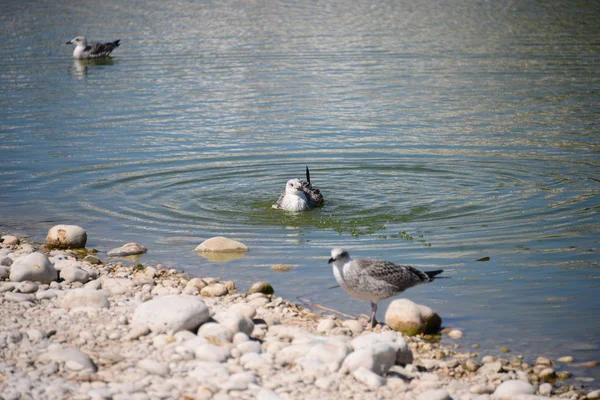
x=439 y=135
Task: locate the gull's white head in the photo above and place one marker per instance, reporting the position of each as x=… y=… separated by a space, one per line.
x=294 y=187
x=339 y=256
x=78 y=41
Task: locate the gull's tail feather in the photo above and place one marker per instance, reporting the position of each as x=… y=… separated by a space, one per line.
x=434 y=273
x=307 y=175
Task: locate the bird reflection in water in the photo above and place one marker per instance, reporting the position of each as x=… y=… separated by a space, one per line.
x=80 y=67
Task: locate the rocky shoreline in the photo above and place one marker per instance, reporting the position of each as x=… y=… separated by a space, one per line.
x=74 y=326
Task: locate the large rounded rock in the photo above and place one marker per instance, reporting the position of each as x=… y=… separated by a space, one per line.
x=66 y=237
x=33 y=267
x=511 y=389
x=220 y=244
x=378 y=358
x=411 y=319
x=172 y=313
x=403 y=353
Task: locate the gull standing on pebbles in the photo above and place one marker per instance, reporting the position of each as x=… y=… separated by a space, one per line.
x=299 y=195
x=83 y=50
x=375 y=280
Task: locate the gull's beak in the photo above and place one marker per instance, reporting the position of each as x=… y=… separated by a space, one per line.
x=69 y=42
x=331 y=260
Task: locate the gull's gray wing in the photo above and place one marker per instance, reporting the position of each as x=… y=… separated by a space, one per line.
x=102 y=49
x=401 y=277
x=313 y=195
x=278 y=202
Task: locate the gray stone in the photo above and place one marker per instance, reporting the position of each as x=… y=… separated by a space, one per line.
x=173 y=313
x=153 y=367
x=510 y=389
x=261 y=287
x=326 y=325
x=210 y=352
x=246 y=310
x=355 y=326
x=214 y=290
x=266 y=394
x=117 y=286
x=81 y=297
x=129 y=249
x=377 y=358
x=211 y=373
x=545 y=389
x=19 y=297
x=28 y=287
x=368 y=377
x=10 y=240
x=47 y=294
x=481 y=388
x=249 y=347
x=216 y=333
x=66 y=237
x=74 y=274
x=33 y=267
x=220 y=244
x=331 y=353
x=72 y=358
x=235 y=321
x=8 y=287
x=435 y=394
x=403 y=353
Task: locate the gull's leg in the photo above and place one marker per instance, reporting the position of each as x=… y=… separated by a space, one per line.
x=373 y=312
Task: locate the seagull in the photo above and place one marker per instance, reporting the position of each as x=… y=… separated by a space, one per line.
x=299 y=195
x=83 y=50
x=375 y=280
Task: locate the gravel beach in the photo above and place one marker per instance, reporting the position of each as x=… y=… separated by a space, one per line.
x=73 y=326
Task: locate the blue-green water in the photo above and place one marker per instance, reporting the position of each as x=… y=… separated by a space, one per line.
x=439 y=133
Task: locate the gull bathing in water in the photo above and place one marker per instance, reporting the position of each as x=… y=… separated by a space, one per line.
x=375 y=280
x=299 y=195
x=83 y=50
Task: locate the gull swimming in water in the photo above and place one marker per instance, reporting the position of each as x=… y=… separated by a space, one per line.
x=83 y=50
x=375 y=280
x=299 y=195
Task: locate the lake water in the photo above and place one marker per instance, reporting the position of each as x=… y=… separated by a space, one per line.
x=438 y=133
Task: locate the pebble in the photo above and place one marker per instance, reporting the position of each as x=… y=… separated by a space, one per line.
x=455 y=334
x=378 y=358
x=172 y=313
x=566 y=359
x=326 y=325
x=78 y=298
x=72 y=358
x=33 y=267
x=153 y=367
x=261 y=287
x=435 y=394
x=545 y=389
x=129 y=249
x=355 y=326
x=28 y=287
x=19 y=297
x=220 y=244
x=214 y=290
x=512 y=388
x=368 y=377
x=74 y=274
x=594 y=395
x=235 y=321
